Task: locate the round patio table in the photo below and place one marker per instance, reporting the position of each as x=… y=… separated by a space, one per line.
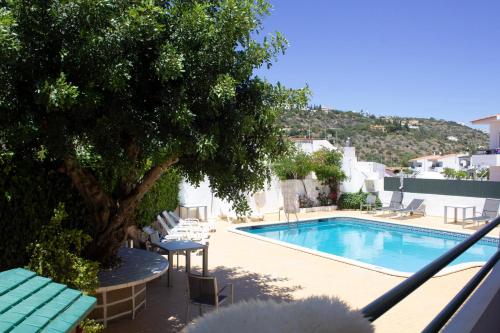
x=122 y=291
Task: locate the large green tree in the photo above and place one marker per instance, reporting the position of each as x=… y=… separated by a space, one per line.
x=117 y=92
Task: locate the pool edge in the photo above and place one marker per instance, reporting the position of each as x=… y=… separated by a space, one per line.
x=445 y=271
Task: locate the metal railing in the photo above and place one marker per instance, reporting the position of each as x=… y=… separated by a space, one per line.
x=385 y=302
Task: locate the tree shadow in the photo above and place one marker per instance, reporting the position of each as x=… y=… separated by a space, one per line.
x=166 y=306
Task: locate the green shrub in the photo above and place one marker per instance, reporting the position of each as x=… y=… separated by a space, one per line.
x=324 y=199
x=56 y=254
x=91 y=326
x=29 y=193
x=296 y=165
x=305 y=201
x=354 y=200
x=163 y=196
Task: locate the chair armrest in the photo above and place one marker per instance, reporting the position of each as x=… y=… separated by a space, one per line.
x=190 y=219
x=231 y=291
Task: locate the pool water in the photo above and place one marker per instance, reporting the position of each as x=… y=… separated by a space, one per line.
x=391 y=246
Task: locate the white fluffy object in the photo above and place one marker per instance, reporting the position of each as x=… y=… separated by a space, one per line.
x=314 y=314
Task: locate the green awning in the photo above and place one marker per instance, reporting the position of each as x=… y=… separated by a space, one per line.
x=30 y=303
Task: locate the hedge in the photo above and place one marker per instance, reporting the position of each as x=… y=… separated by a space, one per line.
x=354 y=200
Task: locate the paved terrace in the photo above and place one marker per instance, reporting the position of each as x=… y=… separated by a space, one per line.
x=263 y=270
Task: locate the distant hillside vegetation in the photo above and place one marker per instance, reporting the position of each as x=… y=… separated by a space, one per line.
x=388 y=140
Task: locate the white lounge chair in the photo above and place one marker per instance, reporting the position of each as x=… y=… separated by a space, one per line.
x=192 y=225
x=192 y=232
x=208 y=226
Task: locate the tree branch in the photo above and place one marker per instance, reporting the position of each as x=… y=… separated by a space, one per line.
x=89 y=188
x=147 y=182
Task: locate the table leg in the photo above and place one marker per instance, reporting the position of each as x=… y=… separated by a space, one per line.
x=205 y=261
x=170 y=262
x=206 y=214
x=455 y=216
x=188 y=261
x=445 y=217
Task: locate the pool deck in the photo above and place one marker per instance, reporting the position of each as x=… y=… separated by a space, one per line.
x=264 y=270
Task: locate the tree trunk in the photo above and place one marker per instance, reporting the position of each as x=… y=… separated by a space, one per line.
x=111 y=216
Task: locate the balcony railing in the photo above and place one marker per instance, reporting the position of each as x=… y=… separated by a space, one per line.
x=385 y=302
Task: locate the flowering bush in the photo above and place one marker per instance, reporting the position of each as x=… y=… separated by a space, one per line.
x=305 y=201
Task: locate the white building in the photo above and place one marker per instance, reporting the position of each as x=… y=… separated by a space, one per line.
x=437 y=163
x=309 y=146
x=358 y=173
x=489 y=158
x=266 y=201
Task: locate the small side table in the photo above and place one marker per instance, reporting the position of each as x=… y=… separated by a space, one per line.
x=172 y=247
x=197 y=207
x=455 y=208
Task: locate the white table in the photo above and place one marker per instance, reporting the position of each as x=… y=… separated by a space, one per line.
x=172 y=247
x=456 y=208
x=188 y=207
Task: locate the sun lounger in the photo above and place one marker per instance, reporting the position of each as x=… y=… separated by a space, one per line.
x=192 y=224
x=416 y=206
x=191 y=233
x=396 y=202
x=209 y=226
x=490 y=211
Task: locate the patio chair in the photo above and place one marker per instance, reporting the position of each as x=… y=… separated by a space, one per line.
x=203 y=291
x=490 y=211
x=416 y=206
x=370 y=204
x=396 y=202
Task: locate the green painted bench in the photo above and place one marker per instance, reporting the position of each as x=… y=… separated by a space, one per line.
x=30 y=303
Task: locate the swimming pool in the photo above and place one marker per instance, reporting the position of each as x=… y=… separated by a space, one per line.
x=391 y=248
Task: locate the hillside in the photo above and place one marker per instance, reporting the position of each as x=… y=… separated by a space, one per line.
x=388 y=140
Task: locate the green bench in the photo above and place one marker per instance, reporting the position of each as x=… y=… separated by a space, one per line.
x=30 y=303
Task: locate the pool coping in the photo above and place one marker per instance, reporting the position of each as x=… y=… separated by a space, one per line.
x=445 y=271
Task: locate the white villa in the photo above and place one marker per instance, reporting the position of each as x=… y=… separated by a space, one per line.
x=437 y=163
x=490 y=158
x=309 y=146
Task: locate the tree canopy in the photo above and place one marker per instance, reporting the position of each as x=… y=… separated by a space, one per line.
x=116 y=92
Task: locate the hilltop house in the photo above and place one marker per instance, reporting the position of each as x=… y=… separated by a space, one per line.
x=437 y=163
x=309 y=146
x=489 y=158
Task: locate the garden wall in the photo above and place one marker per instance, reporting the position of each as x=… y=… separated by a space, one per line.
x=437 y=193
x=463 y=188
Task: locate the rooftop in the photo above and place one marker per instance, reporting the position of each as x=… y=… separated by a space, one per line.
x=487 y=120
x=436 y=157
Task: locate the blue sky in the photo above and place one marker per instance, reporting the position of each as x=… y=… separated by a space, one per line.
x=421 y=58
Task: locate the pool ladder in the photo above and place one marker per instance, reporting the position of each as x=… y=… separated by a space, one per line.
x=287 y=215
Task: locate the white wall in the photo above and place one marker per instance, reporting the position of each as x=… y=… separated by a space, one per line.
x=494 y=133
x=434 y=204
x=485 y=160
x=266 y=201
x=494 y=173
